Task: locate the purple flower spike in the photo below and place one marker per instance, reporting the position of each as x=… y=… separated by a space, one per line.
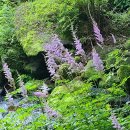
x=97 y=62
x=56 y=54
x=78 y=45
x=115 y=122
x=41 y=94
x=97 y=33
x=8 y=75
x=50 y=112
x=52 y=66
x=55 y=47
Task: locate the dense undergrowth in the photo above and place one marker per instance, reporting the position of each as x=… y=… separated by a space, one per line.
x=86 y=47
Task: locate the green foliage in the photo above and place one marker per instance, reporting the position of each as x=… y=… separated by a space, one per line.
x=10 y=48
x=120 y=22
x=120 y=5
x=79 y=109
x=65 y=73
x=25 y=117
x=84 y=100
x=36 y=21
x=33 y=84
x=116 y=91
x=91 y=75
x=6 y=26
x=30 y=85
x=127 y=44
x=124 y=71
x=115 y=58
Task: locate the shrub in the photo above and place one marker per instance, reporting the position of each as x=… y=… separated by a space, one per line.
x=10 y=48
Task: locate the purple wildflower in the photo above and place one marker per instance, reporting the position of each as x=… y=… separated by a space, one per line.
x=41 y=94
x=44 y=92
x=97 y=33
x=55 y=47
x=78 y=45
x=56 y=52
x=8 y=75
x=53 y=52
x=115 y=122
x=97 y=62
x=44 y=88
x=68 y=58
x=52 y=66
x=50 y=112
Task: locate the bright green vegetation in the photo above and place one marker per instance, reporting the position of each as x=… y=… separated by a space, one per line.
x=84 y=100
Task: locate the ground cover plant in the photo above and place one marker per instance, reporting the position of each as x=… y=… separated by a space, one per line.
x=84 y=46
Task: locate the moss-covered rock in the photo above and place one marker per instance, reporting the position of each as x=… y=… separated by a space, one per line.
x=36 y=21
x=31 y=27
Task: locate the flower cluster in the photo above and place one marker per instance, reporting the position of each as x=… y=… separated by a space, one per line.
x=52 y=66
x=55 y=47
x=70 y=60
x=50 y=112
x=115 y=122
x=57 y=53
x=40 y=94
x=97 y=62
x=43 y=93
x=97 y=33
x=78 y=45
x=8 y=74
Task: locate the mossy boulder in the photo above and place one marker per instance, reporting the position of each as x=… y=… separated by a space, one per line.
x=31 y=27
x=36 y=21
